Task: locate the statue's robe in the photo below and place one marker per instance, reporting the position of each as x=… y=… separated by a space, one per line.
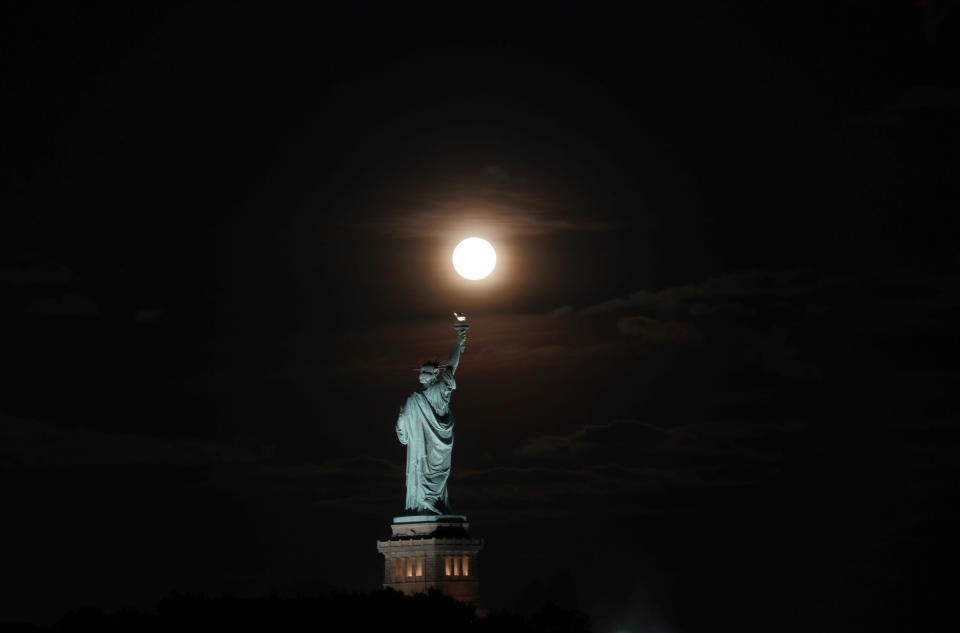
x=425 y=426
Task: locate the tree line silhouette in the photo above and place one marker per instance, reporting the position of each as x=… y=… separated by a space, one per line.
x=387 y=611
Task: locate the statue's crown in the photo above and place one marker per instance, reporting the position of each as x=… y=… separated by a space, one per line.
x=430 y=365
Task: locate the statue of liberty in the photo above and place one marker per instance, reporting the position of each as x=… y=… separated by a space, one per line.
x=425 y=426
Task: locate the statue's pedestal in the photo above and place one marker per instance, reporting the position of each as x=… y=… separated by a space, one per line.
x=432 y=552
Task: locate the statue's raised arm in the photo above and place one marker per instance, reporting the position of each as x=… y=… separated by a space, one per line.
x=458 y=348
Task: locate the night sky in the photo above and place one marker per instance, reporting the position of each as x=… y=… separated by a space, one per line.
x=711 y=385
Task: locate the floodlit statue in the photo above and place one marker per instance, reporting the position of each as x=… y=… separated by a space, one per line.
x=425 y=426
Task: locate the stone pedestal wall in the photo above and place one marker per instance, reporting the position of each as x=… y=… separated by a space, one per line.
x=428 y=549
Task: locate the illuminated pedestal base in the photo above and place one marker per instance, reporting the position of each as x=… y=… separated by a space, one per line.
x=432 y=552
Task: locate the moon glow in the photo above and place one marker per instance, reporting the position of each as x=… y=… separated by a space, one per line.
x=474 y=258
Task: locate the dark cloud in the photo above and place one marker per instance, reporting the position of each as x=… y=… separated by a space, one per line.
x=359 y=466
x=479 y=215
x=354 y=485
x=638 y=435
x=500 y=174
x=639 y=443
x=36 y=270
x=783 y=319
x=516 y=495
x=504 y=209
x=711 y=295
x=145 y=315
x=67 y=305
x=36 y=444
x=743 y=294
x=624 y=465
x=658 y=332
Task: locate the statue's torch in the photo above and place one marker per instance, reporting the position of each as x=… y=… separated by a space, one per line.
x=461 y=325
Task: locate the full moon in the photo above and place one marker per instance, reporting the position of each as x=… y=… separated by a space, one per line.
x=474 y=258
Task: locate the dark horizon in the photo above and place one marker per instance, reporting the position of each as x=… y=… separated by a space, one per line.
x=709 y=385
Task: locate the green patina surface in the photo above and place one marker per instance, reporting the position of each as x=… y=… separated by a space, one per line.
x=425 y=426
